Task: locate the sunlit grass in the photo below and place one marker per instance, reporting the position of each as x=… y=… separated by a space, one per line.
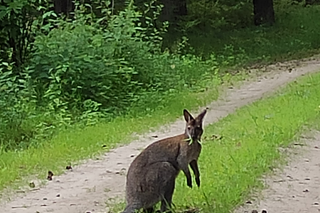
x=230 y=168
x=74 y=144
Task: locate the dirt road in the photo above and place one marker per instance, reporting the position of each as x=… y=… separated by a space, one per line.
x=294 y=188
x=91 y=184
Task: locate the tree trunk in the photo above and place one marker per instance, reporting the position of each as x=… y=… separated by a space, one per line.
x=173 y=9
x=263 y=12
x=181 y=8
x=63 y=6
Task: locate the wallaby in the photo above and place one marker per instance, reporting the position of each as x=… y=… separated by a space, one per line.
x=151 y=175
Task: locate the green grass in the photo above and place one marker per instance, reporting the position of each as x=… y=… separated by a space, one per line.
x=75 y=144
x=230 y=168
x=294 y=35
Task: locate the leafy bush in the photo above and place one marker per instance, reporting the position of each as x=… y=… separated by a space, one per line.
x=20 y=119
x=79 y=66
x=18 y=18
x=91 y=68
x=13 y=112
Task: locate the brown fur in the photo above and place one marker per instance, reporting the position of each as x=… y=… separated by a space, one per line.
x=151 y=176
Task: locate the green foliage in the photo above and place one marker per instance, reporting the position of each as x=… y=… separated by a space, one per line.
x=19 y=21
x=217 y=15
x=12 y=111
x=89 y=68
x=105 y=68
x=17 y=18
x=21 y=120
x=294 y=34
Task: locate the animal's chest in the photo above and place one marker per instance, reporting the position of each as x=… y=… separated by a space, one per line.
x=193 y=152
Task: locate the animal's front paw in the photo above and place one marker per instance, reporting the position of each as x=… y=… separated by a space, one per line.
x=198 y=181
x=189 y=183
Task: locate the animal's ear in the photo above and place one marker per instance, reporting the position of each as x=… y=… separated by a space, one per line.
x=187 y=116
x=201 y=115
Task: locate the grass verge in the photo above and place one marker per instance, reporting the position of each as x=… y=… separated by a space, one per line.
x=75 y=144
x=231 y=167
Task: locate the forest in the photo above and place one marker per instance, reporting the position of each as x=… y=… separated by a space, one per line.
x=67 y=63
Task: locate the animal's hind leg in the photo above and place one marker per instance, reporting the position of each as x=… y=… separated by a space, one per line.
x=148 y=210
x=167 y=198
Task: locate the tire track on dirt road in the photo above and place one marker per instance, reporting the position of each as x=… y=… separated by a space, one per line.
x=89 y=185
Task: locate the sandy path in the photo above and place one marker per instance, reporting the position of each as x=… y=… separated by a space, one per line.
x=91 y=184
x=294 y=188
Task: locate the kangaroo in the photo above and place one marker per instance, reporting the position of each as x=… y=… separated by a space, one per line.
x=151 y=175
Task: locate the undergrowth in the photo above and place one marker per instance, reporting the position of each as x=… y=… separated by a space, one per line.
x=109 y=67
x=294 y=35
